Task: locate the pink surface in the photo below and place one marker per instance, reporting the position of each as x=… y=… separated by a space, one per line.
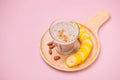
x=22 y=23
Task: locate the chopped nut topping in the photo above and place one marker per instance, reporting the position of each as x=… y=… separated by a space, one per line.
x=62 y=36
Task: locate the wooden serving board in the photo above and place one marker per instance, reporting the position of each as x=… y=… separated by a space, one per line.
x=92 y=26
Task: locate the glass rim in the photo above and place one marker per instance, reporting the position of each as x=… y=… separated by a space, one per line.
x=64 y=20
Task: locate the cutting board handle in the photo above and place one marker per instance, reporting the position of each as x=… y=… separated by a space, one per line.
x=96 y=21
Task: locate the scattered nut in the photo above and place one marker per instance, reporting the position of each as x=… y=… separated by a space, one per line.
x=50 y=43
x=56 y=58
x=51 y=46
x=50 y=51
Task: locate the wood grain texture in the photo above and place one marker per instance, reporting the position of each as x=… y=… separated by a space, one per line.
x=96 y=21
x=91 y=26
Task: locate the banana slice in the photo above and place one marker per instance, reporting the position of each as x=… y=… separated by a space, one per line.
x=84 y=50
x=73 y=60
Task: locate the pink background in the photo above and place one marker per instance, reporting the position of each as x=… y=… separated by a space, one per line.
x=23 y=22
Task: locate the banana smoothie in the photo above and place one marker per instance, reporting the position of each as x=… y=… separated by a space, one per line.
x=64 y=35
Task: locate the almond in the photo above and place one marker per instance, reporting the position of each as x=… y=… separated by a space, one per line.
x=56 y=58
x=50 y=51
x=51 y=46
x=50 y=43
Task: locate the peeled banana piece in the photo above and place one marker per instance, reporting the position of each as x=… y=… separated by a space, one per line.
x=84 y=50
